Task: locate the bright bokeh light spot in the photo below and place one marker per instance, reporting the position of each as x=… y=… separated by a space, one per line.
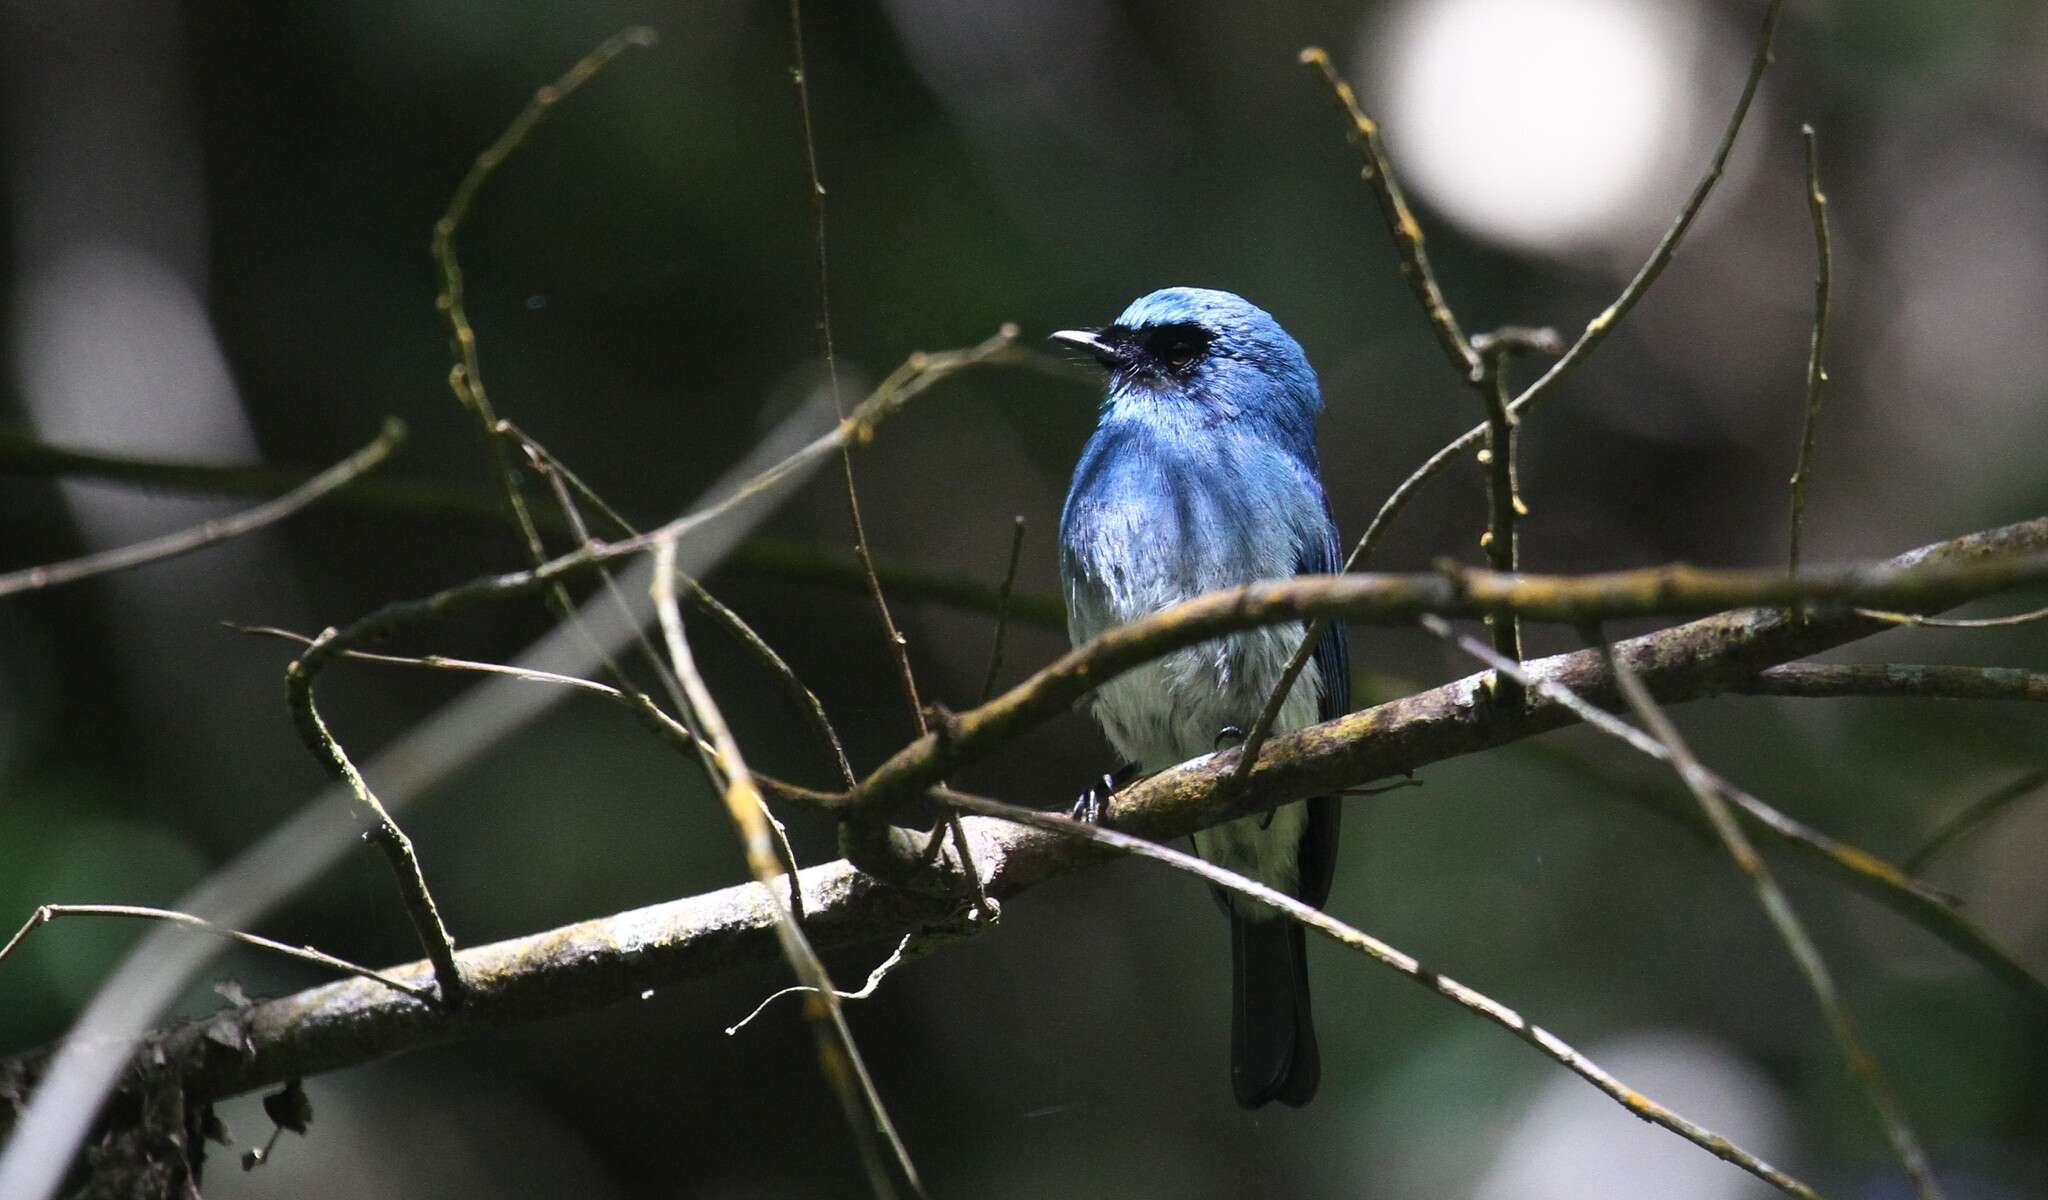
x=1546 y=123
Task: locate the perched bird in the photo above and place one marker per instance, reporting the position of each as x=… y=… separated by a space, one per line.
x=1202 y=474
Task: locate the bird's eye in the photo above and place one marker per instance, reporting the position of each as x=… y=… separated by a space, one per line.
x=1177 y=348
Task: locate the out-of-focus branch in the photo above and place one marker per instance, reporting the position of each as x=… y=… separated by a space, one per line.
x=1827 y=680
x=466 y=377
x=1004 y=594
x=185 y=541
x=1975 y=814
x=1899 y=618
x=1816 y=363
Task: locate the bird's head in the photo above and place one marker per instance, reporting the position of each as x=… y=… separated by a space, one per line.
x=1203 y=356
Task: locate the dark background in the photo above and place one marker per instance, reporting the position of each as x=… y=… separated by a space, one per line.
x=218 y=218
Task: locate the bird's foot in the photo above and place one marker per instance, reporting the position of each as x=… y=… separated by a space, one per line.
x=1093 y=805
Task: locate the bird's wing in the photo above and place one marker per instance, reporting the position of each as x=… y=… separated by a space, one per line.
x=1318 y=862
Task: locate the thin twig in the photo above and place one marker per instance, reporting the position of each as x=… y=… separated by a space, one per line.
x=1965 y=819
x=1401 y=224
x=1599 y=327
x=899 y=652
x=46 y=913
x=1549 y=1044
x=917 y=373
x=995 y=653
x=198 y=537
x=899 y=649
x=671 y=729
x=1823 y=680
x=1816 y=361
x=839 y=1057
x=1706 y=787
x=559 y=478
x=875 y=978
x=377 y=825
x=1503 y=507
x=466 y=377
x=1900 y=618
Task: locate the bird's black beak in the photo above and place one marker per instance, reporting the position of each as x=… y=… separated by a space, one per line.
x=1103 y=351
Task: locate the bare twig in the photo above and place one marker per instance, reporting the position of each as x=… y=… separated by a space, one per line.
x=466 y=377
x=1003 y=593
x=839 y=1057
x=1900 y=679
x=1899 y=618
x=899 y=649
x=1969 y=817
x=1599 y=327
x=185 y=541
x=1504 y=507
x=1816 y=361
x=378 y=827
x=672 y=730
x=46 y=913
x=1401 y=224
x=875 y=978
x=1407 y=966
x=1707 y=788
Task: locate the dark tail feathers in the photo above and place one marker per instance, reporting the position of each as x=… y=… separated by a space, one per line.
x=1272 y=1034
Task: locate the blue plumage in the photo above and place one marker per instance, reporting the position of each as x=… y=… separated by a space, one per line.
x=1202 y=474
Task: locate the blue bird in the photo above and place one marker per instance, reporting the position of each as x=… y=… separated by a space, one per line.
x=1202 y=474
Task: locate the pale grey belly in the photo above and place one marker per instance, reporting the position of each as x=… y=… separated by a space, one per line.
x=1172 y=710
